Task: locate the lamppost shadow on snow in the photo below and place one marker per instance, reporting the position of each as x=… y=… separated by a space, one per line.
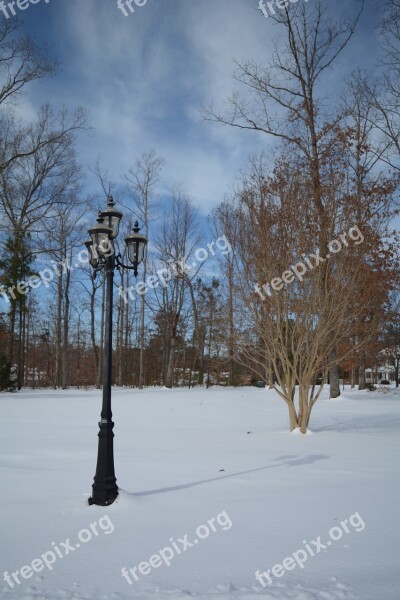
x=293 y=462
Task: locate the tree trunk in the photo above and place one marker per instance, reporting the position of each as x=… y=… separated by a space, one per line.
x=101 y=343
x=201 y=342
x=361 y=371
x=12 y=332
x=93 y=332
x=306 y=407
x=293 y=418
x=231 y=327
x=58 y=327
x=141 y=329
x=120 y=338
x=126 y=379
x=21 y=344
x=169 y=379
x=334 y=376
x=66 y=317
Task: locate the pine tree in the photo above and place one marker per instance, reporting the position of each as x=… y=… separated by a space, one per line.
x=15 y=267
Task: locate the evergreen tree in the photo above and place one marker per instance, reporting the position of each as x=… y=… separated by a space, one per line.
x=15 y=268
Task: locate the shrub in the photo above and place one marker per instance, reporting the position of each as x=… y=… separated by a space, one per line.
x=7 y=381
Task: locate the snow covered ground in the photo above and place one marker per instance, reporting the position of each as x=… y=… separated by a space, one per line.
x=221 y=459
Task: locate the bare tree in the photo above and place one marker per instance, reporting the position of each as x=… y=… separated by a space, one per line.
x=299 y=320
x=225 y=222
x=21 y=61
x=32 y=186
x=175 y=247
x=383 y=91
x=142 y=179
x=283 y=97
x=62 y=237
x=371 y=201
x=389 y=104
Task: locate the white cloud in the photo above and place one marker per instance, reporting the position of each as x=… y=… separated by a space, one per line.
x=146 y=77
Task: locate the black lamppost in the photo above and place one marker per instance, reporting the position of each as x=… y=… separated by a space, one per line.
x=101 y=248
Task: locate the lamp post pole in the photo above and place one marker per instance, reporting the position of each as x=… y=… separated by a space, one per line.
x=101 y=249
x=105 y=489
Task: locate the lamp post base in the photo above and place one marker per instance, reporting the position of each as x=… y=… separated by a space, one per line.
x=105 y=489
x=104 y=503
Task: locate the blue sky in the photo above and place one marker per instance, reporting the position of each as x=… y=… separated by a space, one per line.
x=145 y=77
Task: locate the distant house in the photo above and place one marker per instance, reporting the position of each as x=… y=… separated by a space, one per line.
x=385 y=372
